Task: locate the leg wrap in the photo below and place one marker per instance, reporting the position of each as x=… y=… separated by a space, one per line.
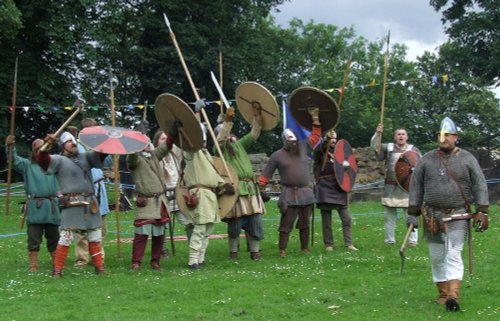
x=234 y=244
x=60 y=257
x=96 y=254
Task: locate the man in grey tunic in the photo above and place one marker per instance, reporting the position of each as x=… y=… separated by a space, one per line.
x=394 y=196
x=445 y=183
x=297 y=196
x=79 y=207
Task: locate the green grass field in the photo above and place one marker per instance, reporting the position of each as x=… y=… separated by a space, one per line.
x=341 y=285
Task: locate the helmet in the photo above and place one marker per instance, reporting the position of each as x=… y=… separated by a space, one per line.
x=331 y=134
x=288 y=137
x=447 y=127
x=66 y=136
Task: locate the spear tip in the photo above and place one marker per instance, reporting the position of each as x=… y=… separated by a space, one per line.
x=167 y=22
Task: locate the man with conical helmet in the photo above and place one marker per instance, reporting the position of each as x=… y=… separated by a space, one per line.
x=445 y=183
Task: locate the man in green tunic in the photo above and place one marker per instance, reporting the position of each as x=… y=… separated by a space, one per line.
x=42 y=207
x=249 y=207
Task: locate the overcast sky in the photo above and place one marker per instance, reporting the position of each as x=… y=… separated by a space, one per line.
x=412 y=22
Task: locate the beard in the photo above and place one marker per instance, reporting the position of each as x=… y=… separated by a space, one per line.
x=294 y=149
x=447 y=149
x=229 y=147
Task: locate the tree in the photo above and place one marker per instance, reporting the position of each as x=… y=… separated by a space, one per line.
x=474 y=32
x=10 y=21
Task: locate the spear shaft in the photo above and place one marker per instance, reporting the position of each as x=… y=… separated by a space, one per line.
x=378 y=143
x=115 y=167
x=11 y=147
x=197 y=97
x=344 y=83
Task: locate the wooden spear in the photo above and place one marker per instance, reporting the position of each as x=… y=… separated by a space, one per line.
x=197 y=96
x=344 y=83
x=115 y=167
x=145 y=111
x=378 y=143
x=339 y=103
x=11 y=146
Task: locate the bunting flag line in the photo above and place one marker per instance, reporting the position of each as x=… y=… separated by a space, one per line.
x=434 y=81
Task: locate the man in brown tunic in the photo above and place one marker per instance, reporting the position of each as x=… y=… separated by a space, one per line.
x=297 y=196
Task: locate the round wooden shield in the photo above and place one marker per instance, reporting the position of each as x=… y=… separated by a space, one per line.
x=113 y=140
x=226 y=202
x=169 y=109
x=404 y=167
x=304 y=97
x=250 y=95
x=345 y=166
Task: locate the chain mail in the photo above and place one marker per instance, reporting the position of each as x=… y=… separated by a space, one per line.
x=433 y=184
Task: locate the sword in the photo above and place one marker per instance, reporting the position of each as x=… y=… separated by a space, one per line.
x=403 y=248
x=219 y=90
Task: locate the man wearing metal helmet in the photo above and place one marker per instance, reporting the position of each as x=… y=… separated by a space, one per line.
x=445 y=183
x=297 y=196
x=42 y=206
x=329 y=195
x=79 y=206
x=394 y=196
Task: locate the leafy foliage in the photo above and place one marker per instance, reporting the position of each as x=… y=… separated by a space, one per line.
x=474 y=32
x=70 y=49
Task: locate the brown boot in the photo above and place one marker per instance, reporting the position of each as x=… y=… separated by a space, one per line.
x=453 y=291
x=33 y=256
x=443 y=292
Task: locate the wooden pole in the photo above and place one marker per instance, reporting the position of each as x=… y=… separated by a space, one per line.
x=378 y=143
x=115 y=168
x=344 y=83
x=11 y=146
x=145 y=111
x=197 y=96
